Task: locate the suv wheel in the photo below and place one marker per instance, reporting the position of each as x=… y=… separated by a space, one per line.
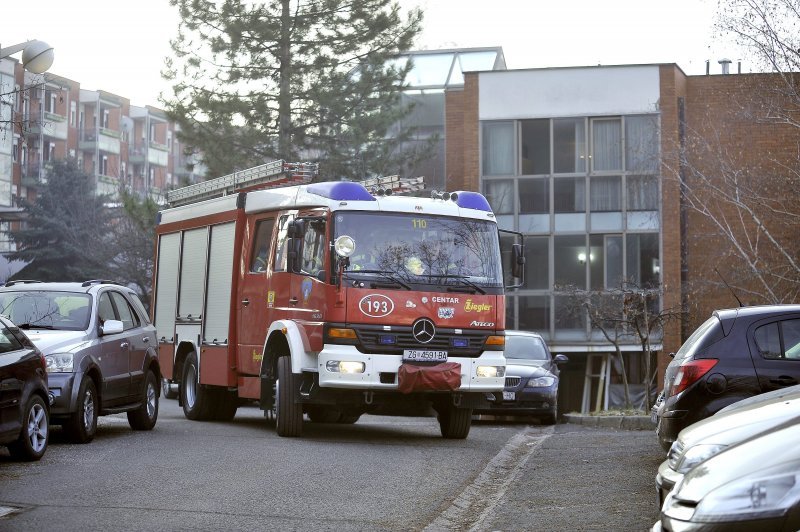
x=32 y=441
x=82 y=424
x=144 y=417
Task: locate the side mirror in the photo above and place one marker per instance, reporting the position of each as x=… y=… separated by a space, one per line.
x=111 y=327
x=560 y=359
x=517 y=261
x=295 y=229
x=672 y=355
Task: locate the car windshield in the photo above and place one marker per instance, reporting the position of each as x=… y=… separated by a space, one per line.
x=525 y=348
x=36 y=309
x=412 y=248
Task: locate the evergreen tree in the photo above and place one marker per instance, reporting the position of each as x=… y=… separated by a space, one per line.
x=66 y=233
x=292 y=79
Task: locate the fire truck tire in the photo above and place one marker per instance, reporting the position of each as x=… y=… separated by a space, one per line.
x=455 y=422
x=145 y=417
x=323 y=414
x=196 y=399
x=289 y=414
x=225 y=405
x=348 y=419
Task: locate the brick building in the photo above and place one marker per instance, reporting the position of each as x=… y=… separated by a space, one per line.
x=586 y=163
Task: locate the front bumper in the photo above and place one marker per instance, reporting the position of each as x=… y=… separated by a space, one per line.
x=533 y=401
x=61 y=387
x=666 y=478
x=380 y=371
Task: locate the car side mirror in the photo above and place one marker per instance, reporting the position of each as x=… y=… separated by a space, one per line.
x=672 y=355
x=560 y=359
x=111 y=327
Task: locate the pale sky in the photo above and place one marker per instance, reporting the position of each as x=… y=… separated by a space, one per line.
x=119 y=46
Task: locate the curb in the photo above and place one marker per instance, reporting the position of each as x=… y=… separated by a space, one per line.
x=611 y=422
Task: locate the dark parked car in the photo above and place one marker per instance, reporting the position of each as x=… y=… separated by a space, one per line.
x=749 y=486
x=531 y=379
x=100 y=349
x=735 y=354
x=24 y=412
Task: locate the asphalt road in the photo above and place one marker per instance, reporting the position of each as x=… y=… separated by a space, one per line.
x=383 y=473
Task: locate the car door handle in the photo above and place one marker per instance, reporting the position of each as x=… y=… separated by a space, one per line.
x=784 y=380
x=146 y=339
x=245 y=302
x=123 y=345
x=294 y=301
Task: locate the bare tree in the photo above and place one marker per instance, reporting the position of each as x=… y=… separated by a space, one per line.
x=629 y=314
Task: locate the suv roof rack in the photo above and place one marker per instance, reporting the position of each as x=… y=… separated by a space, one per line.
x=21 y=281
x=97 y=281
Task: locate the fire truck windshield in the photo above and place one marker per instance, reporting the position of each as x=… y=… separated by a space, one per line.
x=413 y=248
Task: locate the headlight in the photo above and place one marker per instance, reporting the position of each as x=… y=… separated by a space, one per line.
x=540 y=382
x=490 y=371
x=345 y=366
x=756 y=497
x=344 y=246
x=694 y=455
x=59 y=363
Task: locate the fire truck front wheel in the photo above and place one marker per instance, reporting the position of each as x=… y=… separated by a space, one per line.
x=455 y=422
x=289 y=414
x=196 y=399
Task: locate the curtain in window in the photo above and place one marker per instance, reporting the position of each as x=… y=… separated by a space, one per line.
x=641 y=144
x=642 y=193
x=569 y=150
x=500 y=195
x=607 y=140
x=605 y=194
x=498 y=148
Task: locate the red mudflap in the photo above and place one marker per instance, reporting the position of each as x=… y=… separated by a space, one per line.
x=445 y=376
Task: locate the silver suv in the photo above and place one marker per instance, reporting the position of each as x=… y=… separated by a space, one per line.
x=100 y=349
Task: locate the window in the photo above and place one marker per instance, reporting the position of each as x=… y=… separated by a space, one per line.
x=641 y=144
x=314 y=246
x=570 y=256
x=643 y=259
x=642 y=193
x=534 y=205
x=534 y=314
x=498 y=148
x=8 y=342
x=535 y=137
x=606 y=145
x=280 y=248
x=105 y=118
x=569 y=146
x=500 y=195
x=768 y=339
x=537 y=263
x=73 y=111
x=105 y=309
x=605 y=194
x=126 y=314
x=569 y=194
x=259 y=253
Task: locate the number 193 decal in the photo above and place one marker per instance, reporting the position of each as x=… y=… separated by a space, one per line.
x=376 y=305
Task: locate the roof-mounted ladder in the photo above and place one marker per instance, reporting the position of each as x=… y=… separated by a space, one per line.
x=272 y=174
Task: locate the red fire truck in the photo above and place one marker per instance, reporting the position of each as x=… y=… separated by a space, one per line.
x=329 y=300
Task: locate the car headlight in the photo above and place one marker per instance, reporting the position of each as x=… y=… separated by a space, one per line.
x=540 y=382
x=59 y=363
x=694 y=455
x=753 y=497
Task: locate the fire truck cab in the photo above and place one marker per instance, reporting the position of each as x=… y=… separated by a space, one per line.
x=329 y=301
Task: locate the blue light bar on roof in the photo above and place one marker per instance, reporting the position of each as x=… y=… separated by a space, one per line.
x=472 y=200
x=341 y=191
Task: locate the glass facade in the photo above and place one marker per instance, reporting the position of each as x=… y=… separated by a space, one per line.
x=585 y=193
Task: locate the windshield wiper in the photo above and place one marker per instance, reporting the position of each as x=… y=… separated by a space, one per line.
x=34 y=326
x=463 y=278
x=383 y=273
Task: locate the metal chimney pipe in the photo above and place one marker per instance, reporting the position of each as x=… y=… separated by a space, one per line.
x=726 y=65
x=708 y=67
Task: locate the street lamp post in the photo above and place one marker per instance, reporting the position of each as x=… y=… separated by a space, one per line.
x=37 y=56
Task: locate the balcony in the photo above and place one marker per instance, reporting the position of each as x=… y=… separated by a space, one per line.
x=50 y=125
x=102 y=138
x=35 y=174
x=153 y=152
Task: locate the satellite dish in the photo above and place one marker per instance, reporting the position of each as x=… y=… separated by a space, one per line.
x=126 y=124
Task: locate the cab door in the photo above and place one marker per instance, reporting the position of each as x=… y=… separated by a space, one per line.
x=255 y=298
x=309 y=289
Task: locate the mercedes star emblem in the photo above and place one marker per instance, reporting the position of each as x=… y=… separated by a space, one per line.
x=423 y=330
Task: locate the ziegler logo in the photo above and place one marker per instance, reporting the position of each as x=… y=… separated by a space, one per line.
x=376 y=305
x=481 y=324
x=469 y=306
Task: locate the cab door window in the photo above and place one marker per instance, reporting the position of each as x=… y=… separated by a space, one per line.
x=126 y=314
x=259 y=253
x=105 y=309
x=314 y=246
x=281 y=247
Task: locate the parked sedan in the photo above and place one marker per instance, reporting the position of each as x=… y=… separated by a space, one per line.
x=726 y=428
x=100 y=349
x=750 y=486
x=24 y=414
x=531 y=379
x=735 y=354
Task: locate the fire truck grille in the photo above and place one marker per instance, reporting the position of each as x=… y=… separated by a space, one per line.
x=376 y=340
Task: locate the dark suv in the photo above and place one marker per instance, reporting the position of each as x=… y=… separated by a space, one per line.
x=100 y=350
x=735 y=354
